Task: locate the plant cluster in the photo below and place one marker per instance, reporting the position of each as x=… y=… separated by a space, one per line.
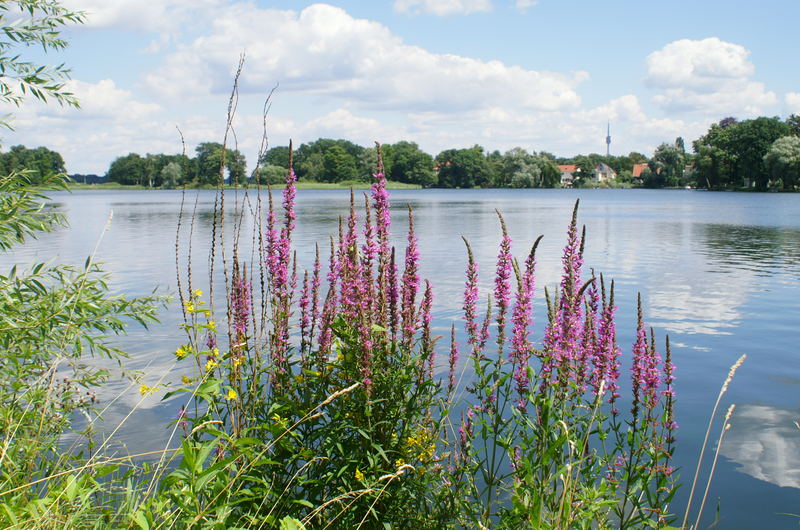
x=325 y=409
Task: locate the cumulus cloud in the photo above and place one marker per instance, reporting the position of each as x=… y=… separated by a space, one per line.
x=134 y=15
x=443 y=8
x=792 y=100
x=322 y=50
x=523 y=5
x=709 y=75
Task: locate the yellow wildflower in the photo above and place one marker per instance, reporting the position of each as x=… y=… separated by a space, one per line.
x=212 y=325
x=211 y=364
x=232 y=395
x=189 y=307
x=215 y=352
x=197 y=293
x=237 y=361
x=144 y=390
x=399 y=463
x=298 y=379
x=359 y=474
x=186 y=381
x=180 y=353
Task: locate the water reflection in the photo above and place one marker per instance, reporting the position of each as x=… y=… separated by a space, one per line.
x=765 y=442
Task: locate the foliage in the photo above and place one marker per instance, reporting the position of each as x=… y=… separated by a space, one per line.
x=33 y=23
x=666 y=166
x=342 y=429
x=783 y=161
x=732 y=153
x=210 y=161
x=543 y=443
x=40 y=163
x=54 y=319
x=463 y=168
x=152 y=171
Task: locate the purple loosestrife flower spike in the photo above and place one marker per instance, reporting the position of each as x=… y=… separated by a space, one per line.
x=640 y=352
x=606 y=362
x=328 y=307
x=425 y=316
x=315 y=280
x=394 y=295
x=471 y=300
x=305 y=314
x=563 y=336
x=521 y=319
x=502 y=285
x=381 y=207
x=409 y=284
x=652 y=373
x=669 y=394
x=240 y=303
x=380 y=198
x=451 y=374
x=369 y=251
x=588 y=346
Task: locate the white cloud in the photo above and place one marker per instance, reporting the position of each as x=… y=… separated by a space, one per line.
x=324 y=51
x=792 y=100
x=523 y=5
x=134 y=15
x=443 y=8
x=709 y=75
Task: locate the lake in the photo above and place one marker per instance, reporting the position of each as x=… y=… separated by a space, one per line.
x=718 y=272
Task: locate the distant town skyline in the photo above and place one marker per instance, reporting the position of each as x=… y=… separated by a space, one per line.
x=544 y=75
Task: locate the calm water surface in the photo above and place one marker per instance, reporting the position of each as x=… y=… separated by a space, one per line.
x=718 y=272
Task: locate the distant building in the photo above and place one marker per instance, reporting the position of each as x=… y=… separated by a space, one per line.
x=566 y=174
x=637 y=171
x=603 y=173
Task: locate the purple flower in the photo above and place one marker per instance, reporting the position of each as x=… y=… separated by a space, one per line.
x=240 y=303
x=502 y=284
x=470 y=301
x=521 y=319
x=451 y=374
x=409 y=284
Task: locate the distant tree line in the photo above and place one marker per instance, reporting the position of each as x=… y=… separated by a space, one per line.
x=170 y=171
x=40 y=162
x=327 y=160
x=759 y=153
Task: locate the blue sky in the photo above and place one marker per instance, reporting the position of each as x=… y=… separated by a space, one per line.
x=545 y=75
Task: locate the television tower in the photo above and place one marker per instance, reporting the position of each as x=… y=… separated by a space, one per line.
x=608 y=139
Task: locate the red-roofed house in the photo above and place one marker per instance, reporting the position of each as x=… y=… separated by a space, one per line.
x=637 y=170
x=566 y=174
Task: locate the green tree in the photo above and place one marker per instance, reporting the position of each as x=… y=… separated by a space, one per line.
x=411 y=164
x=550 y=176
x=463 y=168
x=276 y=156
x=750 y=140
x=666 y=166
x=209 y=161
x=171 y=175
x=521 y=169
x=783 y=161
x=39 y=163
x=793 y=121
x=128 y=170
x=338 y=165
x=272 y=174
